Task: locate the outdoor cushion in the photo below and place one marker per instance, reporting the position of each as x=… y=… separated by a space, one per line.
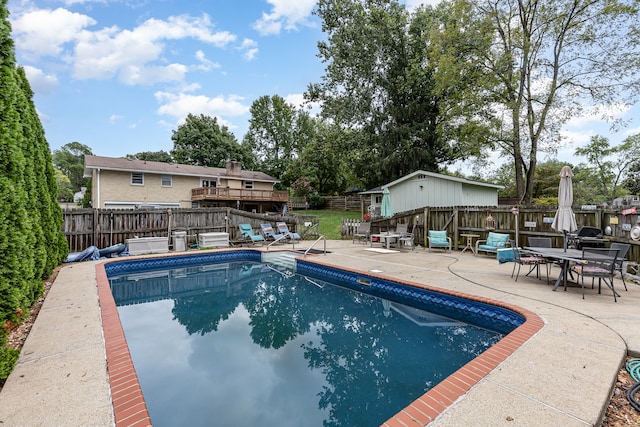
x=493 y=242
x=496 y=239
x=438 y=238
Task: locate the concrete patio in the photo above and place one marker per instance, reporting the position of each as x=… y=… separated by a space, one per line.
x=562 y=376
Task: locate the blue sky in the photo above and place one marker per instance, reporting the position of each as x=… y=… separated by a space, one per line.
x=120 y=75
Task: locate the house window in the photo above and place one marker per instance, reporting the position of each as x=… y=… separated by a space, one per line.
x=166 y=181
x=137 y=178
x=248 y=185
x=209 y=183
x=378 y=200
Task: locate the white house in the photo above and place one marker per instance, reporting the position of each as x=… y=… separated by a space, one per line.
x=427 y=189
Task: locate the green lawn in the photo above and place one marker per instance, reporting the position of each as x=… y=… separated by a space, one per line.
x=331 y=221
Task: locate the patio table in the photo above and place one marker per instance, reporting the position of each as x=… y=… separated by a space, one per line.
x=387 y=237
x=563 y=258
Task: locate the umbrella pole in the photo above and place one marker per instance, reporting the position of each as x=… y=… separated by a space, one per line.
x=565 y=241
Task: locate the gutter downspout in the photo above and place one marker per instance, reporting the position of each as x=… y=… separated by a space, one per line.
x=97 y=189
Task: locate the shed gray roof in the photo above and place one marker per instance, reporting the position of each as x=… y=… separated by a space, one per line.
x=127 y=165
x=445 y=177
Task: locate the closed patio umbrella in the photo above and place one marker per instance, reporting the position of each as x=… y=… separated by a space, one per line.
x=565 y=219
x=385 y=209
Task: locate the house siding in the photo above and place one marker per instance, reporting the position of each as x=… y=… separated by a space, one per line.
x=116 y=188
x=429 y=191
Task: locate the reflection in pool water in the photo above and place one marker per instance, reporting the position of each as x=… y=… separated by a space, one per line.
x=248 y=344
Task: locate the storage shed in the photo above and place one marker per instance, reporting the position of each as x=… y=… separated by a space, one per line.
x=427 y=189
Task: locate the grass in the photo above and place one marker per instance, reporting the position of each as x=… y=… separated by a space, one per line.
x=331 y=221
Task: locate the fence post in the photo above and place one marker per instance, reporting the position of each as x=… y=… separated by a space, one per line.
x=95 y=227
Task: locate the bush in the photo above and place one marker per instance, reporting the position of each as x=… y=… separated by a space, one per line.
x=316 y=201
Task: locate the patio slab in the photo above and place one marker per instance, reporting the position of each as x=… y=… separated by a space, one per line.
x=562 y=376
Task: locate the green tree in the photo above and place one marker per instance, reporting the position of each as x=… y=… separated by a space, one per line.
x=70 y=160
x=322 y=162
x=201 y=141
x=277 y=134
x=31 y=241
x=379 y=85
x=65 y=190
x=152 y=156
x=547 y=58
x=610 y=164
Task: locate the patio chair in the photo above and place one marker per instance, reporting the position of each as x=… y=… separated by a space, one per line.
x=438 y=239
x=248 y=235
x=284 y=229
x=600 y=263
x=408 y=239
x=532 y=261
x=270 y=234
x=363 y=233
x=622 y=249
x=492 y=243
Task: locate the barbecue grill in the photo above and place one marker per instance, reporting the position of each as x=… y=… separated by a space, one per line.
x=586 y=236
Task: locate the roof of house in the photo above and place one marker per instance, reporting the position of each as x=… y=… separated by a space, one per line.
x=128 y=165
x=441 y=176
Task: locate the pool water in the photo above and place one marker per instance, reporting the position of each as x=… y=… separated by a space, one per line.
x=246 y=344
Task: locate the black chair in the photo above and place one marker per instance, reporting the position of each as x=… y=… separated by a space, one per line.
x=622 y=249
x=599 y=263
x=530 y=260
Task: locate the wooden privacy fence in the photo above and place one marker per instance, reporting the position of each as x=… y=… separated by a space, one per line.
x=520 y=224
x=106 y=227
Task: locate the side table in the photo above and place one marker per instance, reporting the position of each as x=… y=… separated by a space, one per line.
x=470 y=246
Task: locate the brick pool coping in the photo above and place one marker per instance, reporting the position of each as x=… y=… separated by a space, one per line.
x=130 y=409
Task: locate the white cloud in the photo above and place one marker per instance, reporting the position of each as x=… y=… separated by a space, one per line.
x=205 y=63
x=181 y=104
x=44 y=32
x=289 y=14
x=114 y=118
x=103 y=54
x=134 y=56
x=632 y=131
x=250 y=47
x=41 y=83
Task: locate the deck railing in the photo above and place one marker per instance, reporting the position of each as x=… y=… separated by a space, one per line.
x=218 y=193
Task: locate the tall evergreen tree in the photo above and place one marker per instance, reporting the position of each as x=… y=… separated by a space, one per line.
x=17 y=269
x=31 y=240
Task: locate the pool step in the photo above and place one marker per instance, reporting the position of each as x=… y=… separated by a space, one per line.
x=282 y=259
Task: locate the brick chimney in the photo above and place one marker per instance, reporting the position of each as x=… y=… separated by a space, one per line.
x=234 y=168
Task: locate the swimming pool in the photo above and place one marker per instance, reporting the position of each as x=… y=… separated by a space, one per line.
x=478 y=313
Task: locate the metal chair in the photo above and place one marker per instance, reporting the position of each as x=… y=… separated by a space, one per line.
x=622 y=249
x=408 y=239
x=600 y=263
x=532 y=261
x=363 y=233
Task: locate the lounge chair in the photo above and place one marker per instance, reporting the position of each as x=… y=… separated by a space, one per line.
x=284 y=229
x=248 y=235
x=438 y=239
x=270 y=234
x=363 y=233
